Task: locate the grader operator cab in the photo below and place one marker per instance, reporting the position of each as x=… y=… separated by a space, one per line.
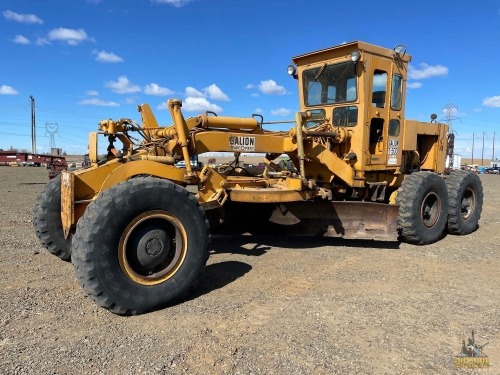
x=139 y=237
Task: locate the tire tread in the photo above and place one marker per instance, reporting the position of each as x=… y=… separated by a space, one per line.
x=85 y=251
x=50 y=237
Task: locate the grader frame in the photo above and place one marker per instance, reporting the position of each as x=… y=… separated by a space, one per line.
x=139 y=240
x=365 y=160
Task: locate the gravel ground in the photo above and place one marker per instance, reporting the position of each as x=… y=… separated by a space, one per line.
x=265 y=305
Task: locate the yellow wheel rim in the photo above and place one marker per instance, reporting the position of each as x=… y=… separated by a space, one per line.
x=152 y=247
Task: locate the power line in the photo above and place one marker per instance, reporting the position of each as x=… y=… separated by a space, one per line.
x=13 y=123
x=16 y=134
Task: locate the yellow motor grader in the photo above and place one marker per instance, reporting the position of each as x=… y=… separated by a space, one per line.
x=137 y=227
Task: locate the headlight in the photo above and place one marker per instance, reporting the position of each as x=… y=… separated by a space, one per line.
x=291 y=70
x=355 y=56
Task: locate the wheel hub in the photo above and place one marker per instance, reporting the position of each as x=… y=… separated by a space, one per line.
x=468 y=204
x=430 y=209
x=148 y=249
x=154 y=246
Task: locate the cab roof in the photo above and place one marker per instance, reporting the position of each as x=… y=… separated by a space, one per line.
x=344 y=50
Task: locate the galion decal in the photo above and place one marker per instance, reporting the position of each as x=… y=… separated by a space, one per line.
x=242 y=143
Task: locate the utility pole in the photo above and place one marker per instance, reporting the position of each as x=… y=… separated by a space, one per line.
x=473 y=137
x=482 y=153
x=33 y=125
x=493 y=153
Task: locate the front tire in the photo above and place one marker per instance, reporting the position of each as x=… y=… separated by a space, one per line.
x=47 y=220
x=423 y=208
x=141 y=245
x=465 y=194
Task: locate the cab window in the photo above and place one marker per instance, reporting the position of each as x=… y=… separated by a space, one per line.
x=330 y=84
x=317 y=117
x=394 y=128
x=379 y=88
x=397 y=92
x=345 y=116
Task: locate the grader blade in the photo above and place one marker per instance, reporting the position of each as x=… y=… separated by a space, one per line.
x=352 y=220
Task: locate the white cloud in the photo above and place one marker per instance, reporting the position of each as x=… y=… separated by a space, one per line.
x=22 y=18
x=427 y=71
x=8 y=90
x=212 y=92
x=281 y=112
x=107 y=57
x=93 y=1
x=21 y=39
x=162 y=106
x=191 y=104
x=250 y=86
x=254 y=95
x=130 y=100
x=258 y=110
x=174 y=3
x=92 y=93
x=270 y=87
x=122 y=86
x=192 y=92
x=493 y=101
x=157 y=90
x=414 y=85
x=215 y=93
x=98 y=102
x=42 y=42
x=71 y=37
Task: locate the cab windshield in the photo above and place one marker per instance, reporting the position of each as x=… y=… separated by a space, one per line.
x=329 y=84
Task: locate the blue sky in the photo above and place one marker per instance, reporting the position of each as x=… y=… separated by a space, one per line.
x=87 y=60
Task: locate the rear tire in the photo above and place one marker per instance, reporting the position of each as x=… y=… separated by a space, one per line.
x=141 y=245
x=47 y=220
x=465 y=195
x=423 y=207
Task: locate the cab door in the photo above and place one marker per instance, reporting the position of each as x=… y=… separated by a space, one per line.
x=396 y=116
x=378 y=112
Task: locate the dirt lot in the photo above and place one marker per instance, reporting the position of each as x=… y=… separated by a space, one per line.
x=265 y=305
